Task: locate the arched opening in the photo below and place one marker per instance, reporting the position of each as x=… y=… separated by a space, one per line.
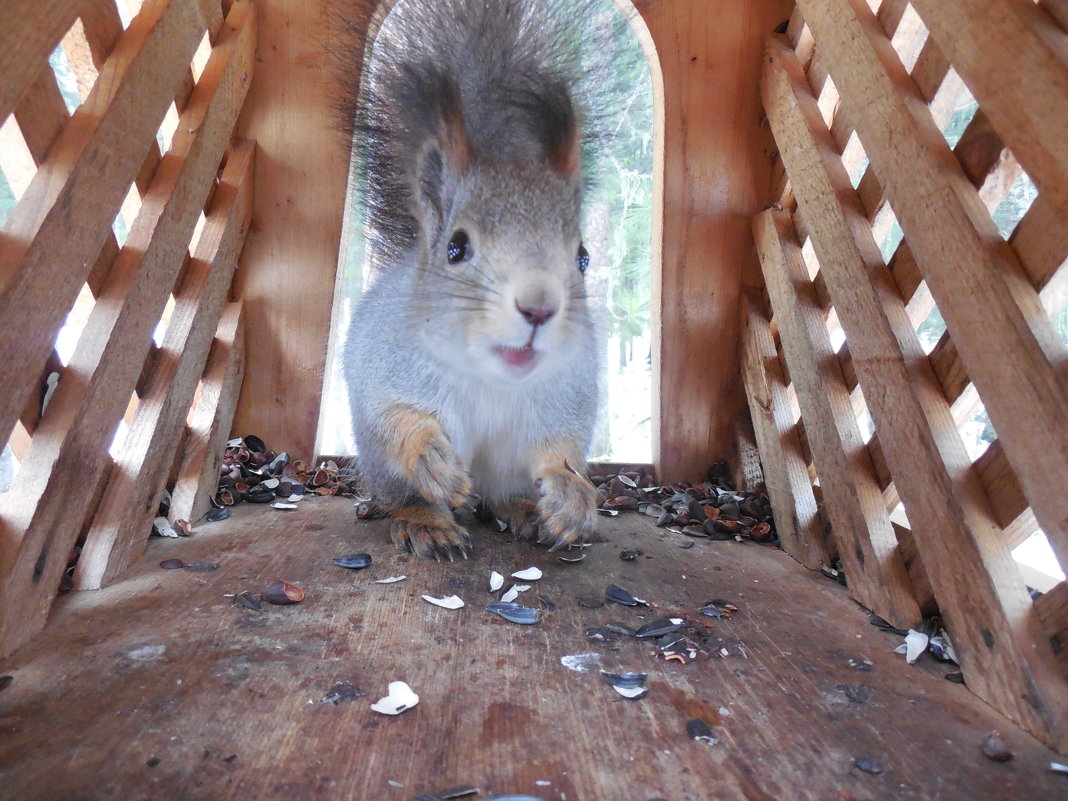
x=621 y=227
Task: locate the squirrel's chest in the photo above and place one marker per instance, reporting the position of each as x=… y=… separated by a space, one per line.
x=495 y=435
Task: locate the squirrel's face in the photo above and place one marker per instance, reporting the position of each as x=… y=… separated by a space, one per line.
x=506 y=275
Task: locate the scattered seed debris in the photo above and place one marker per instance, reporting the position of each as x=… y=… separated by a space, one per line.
x=956 y=677
x=630 y=555
x=861 y=664
x=215 y=515
x=340 y=692
x=283 y=593
x=513 y=592
x=354 y=561
x=172 y=564
x=400 y=698
x=621 y=596
x=153 y=761
x=448 y=602
x=496 y=581
x=530 y=574
x=581 y=663
x=391 y=580
x=247 y=600
x=202 y=567
x=994 y=749
x=284 y=506
x=515 y=613
x=1057 y=767
x=699 y=730
x=869 y=766
x=570 y=560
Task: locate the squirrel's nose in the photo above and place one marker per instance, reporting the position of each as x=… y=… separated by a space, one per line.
x=536 y=313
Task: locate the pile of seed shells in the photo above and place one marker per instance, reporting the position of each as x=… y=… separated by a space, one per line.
x=712 y=509
x=251 y=473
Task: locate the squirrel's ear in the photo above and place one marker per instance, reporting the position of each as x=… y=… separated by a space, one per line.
x=443 y=159
x=563 y=140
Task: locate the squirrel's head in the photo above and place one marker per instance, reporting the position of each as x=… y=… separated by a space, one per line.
x=502 y=264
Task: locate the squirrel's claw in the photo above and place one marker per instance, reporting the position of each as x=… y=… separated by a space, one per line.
x=429 y=533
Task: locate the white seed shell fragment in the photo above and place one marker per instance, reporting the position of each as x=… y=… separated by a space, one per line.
x=283 y=505
x=513 y=592
x=399 y=699
x=581 y=663
x=163 y=527
x=530 y=574
x=631 y=692
x=914 y=645
x=496 y=581
x=448 y=602
x=391 y=580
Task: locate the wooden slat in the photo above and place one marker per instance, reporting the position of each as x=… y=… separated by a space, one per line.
x=1041 y=241
x=119 y=528
x=211 y=421
x=1013 y=58
x=785 y=471
x=31 y=30
x=1004 y=660
x=1052 y=609
x=1006 y=341
x=865 y=537
x=747 y=472
x=42 y=510
x=45 y=257
x=1058 y=9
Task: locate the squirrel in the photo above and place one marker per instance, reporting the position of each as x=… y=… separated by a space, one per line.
x=472 y=359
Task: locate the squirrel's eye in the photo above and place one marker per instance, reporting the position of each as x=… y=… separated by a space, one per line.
x=459 y=248
x=582 y=259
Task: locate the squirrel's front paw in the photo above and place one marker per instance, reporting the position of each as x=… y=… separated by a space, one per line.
x=568 y=507
x=429 y=533
x=425 y=457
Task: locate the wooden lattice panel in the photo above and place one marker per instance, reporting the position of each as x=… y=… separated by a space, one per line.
x=113 y=242
x=883 y=221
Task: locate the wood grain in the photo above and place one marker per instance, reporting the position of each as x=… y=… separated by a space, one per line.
x=31 y=30
x=288 y=266
x=176 y=688
x=865 y=538
x=717 y=174
x=211 y=420
x=43 y=512
x=993 y=313
x=45 y=257
x=786 y=477
x=1014 y=59
x=117 y=535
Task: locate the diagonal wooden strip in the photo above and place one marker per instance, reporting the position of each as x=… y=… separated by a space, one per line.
x=1006 y=341
x=1058 y=9
x=853 y=501
x=43 y=511
x=785 y=472
x=31 y=30
x=210 y=422
x=1014 y=59
x=1041 y=241
x=1006 y=661
x=53 y=235
x=120 y=526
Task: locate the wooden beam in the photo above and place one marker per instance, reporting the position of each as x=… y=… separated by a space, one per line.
x=211 y=421
x=42 y=513
x=993 y=313
x=288 y=266
x=120 y=526
x=716 y=175
x=44 y=256
x=1014 y=59
x=797 y=519
x=853 y=501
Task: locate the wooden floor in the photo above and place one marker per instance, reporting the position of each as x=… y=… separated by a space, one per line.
x=159 y=687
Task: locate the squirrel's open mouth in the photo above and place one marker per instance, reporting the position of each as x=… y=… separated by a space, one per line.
x=519 y=359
